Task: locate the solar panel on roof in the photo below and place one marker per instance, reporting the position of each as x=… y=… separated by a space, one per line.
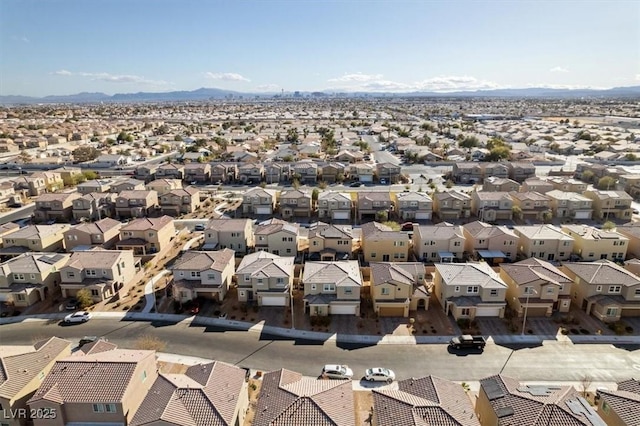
x=492 y=389
x=504 y=412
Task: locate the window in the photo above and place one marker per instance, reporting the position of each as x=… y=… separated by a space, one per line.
x=456 y=244
x=90 y=272
x=456 y=289
x=493 y=292
x=18 y=276
x=348 y=290
x=328 y=287
x=98 y=408
x=615 y=289
x=315 y=243
x=599 y=288
x=373 y=255
x=480 y=241
x=528 y=290
x=465 y=312
x=398 y=243
x=612 y=312
x=384 y=291
x=21 y=297
x=71 y=274
x=211 y=276
x=195 y=274
x=95 y=292
x=550 y=290
x=396 y=256
x=259 y=281
x=313 y=287
x=280 y=280
x=472 y=289
x=247 y=278
x=434 y=254
x=561 y=254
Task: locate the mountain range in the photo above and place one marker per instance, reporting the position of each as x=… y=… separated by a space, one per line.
x=204 y=94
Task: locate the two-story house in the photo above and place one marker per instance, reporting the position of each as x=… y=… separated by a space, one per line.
x=491 y=206
x=146 y=172
x=492 y=243
x=496 y=184
x=147 y=235
x=55 y=206
x=381 y=243
x=520 y=171
x=570 y=205
x=38 y=238
x=163 y=186
x=497 y=170
x=102 y=272
x=265 y=278
x=94 y=206
x=334 y=206
x=397 y=288
x=388 y=173
x=537 y=286
x=470 y=290
x=129 y=184
x=610 y=204
x=620 y=406
x=170 y=171
x=467 y=173
x=31 y=277
x=278 y=237
x=180 y=201
x=451 y=205
x=103 y=233
x=223 y=173
x=136 y=203
x=371 y=203
x=205 y=274
x=414 y=206
x=34 y=186
x=52 y=180
x=6 y=229
x=332 y=288
x=438 y=243
x=295 y=203
x=592 y=243
x=235 y=234
x=306 y=172
x=250 y=173
x=604 y=289
x=330 y=242
x=334 y=172
x=362 y=172
x=546 y=242
x=197 y=172
x=532 y=205
x=259 y=201
x=632 y=232
x=536 y=184
x=567 y=184
x=275 y=173
x=95 y=185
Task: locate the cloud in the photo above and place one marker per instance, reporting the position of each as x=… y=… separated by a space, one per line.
x=638 y=77
x=375 y=83
x=226 y=76
x=20 y=38
x=112 y=78
x=357 y=77
x=559 y=69
x=268 y=87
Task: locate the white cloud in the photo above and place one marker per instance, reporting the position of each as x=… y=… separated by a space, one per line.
x=268 y=87
x=225 y=76
x=357 y=77
x=375 y=83
x=638 y=77
x=20 y=38
x=113 y=78
x=559 y=69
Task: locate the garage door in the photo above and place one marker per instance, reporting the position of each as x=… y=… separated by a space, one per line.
x=366 y=178
x=274 y=301
x=342 y=309
x=423 y=215
x=487 y=311
x=341 y=215
x=583 y=215
x=391 y=311
x=263 y=210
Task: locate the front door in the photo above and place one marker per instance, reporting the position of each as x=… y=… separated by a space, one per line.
x=385 y=257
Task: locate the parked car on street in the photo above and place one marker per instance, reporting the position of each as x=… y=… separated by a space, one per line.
x=336 y=371
x=356 y=184
x=468 y=341
x=379 y=374
x=80 y=316
x=199 y=227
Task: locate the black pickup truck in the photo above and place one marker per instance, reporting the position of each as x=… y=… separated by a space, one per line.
x=467 y=341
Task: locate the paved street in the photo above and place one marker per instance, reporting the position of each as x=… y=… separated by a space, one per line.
x=553 y=361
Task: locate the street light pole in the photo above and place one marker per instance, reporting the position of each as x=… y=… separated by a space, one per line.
x=529 y=290
x=293 y=326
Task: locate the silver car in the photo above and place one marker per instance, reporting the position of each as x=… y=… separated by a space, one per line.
x=80 y=316
x=336 y=371
x=378 y=374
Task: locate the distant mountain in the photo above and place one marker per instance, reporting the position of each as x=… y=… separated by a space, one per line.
x=204 y=94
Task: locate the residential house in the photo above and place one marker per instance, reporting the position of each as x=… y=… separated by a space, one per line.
x=570 y=205
x=49 y=238
x=278 y=237
x=381 y=243
x=30 y=278
x=265 y=278
x=496 y=170
x=330 y=242
x=223 y=173
x=170 y=171
x=629 y=184
x=102 y=272
x=370 y=204
x=23 y=369
x=334 y=206
x=362 y=172
x=197 y=172
x=180 y=201
x=136 y=203
x=536 y=184
x=94 y=206
x=348 y=156
x=620 y=407
x=33 y=186
x=604 y=289
x=163 y=186
x=520 y=171
x=632 y=232
x=451 y=205
x=250 y=173
x=111 y=161
x=259 y=201
x=303 y=400
x=492 y=243
x=536 y=286
x=147 y=236
x=52 y=180
x=6 y=229
x=532 y=205
x=205 y=274
x=275 y=173
x=220 y=387
x=55 y=207
x=505 y=401
x=295 y=203
x=495 y=184
x=438 y=243
x=610 y=204
x=398 y=287
x=306 y=172
x=95 y=185
x=333 y=172
x=546 y=242
x=104 y=234
x=332 y=288
x=68 y=173
x=592 y=243
x=146 y=172
x=388 y=173
x=566 y=184
x=7 y=194
x=414 y=206
x=467 y=173
x=427 y=400
x=95 y=387
x=492 y=206
x=127 y=185
x=469 y=290
x=235 y=234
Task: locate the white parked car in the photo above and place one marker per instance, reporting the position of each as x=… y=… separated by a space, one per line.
x=378 y=374
x=80 y=316
x=335 y=371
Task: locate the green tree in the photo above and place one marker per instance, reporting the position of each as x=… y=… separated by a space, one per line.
x=498 y=153
x=83 y=296
x=382 y=216
x=606 y=183
x=608 y=225
x=90 y=175
x=547 y=217
x=469 y=142
x=631 y=157
x=85 y=153
x=177 y=138
x=517 y=212
x=587 y=176
x=24 y=157
x=393 y=225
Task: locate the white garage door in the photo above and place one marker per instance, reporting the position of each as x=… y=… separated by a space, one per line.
x=263 y=210
x=583 y=215
x=341 y=215
x=487 y=311
x=366 y=178
x=274 y=301
x=423 y=215
x=342 y=309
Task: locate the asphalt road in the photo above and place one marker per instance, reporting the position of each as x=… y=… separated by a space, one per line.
x=553 y=361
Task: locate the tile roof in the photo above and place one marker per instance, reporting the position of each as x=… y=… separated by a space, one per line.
x=542 y=232
x=606 y=195
x=99 y=259
x=263 y=264
x=374 y=196
x=99 y=227
x=204 y=260
x=272 y=226
x=145 y=223
x=492 y=196
x=402 y=272
x=377 y=231
x=482 y=230
x=32 y=262
x=534 y=269
x=414 y=196
x=57 y=196
x=228 y=225
x=529 y=196
x=289 y=399
x=441 y=196
x=440 y=232
x=334 y=196
x=570 y=196
x=342 y=273
x=602 y=272
x=590 y=233
x=39 y=231
x=325 y=230
x=479 y=274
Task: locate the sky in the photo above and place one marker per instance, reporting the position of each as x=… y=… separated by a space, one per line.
x=58 y=47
